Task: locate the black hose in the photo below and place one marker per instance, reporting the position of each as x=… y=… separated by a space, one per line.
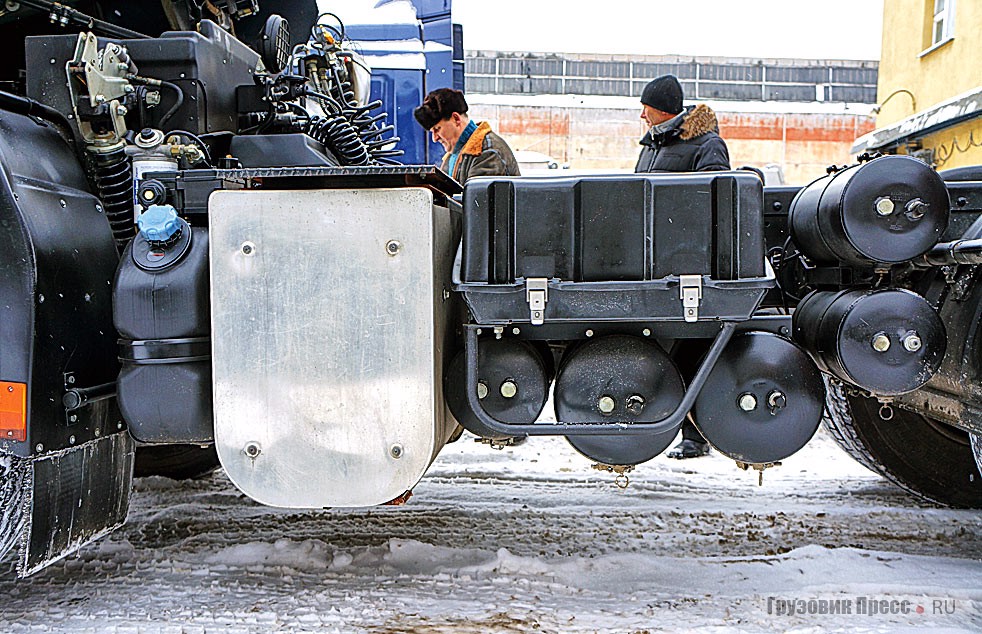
x=177 y=104
x=178 y=99
x=326 y=99
x=364 y=125
x=338 y=135
x=338 y=32
x=30 y=108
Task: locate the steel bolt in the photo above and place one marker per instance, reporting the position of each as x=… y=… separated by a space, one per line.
x=39 y=447
x=605 y=404
x=747 y=402
x=884 y=206
x=252 y=450
x=396 y=451
x=881 y=343
x=776 y=400
x=912 y=342
x=516 y=331
x=10 y=388
x=71 y=440
x=646 y=332
x=589 y=333
x=71 y=379
x=392 y=247
x=509 y=389
x=482 y=390
x=915 y=209
x=248 y=248
x=635 y=403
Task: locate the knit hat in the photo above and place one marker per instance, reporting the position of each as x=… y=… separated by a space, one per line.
x=663 y=93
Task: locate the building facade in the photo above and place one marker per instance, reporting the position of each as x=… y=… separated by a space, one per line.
x=930 y=83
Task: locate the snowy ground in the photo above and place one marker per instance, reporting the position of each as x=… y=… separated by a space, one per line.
x=529 y=539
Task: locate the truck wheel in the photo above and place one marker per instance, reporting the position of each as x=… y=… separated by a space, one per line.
x=179 y=462
x=930 y=459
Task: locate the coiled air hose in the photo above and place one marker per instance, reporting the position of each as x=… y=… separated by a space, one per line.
x=338 y=135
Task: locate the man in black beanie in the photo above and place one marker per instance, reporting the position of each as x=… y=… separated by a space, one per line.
x=472 y=149
x=680 y=140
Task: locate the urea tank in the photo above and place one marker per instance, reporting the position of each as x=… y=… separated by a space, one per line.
x=161 y=311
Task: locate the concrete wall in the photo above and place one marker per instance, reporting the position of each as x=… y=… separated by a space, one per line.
x=607 y=138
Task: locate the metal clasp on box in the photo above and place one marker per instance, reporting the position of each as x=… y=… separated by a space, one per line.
x=690 y=292
x=537 y=294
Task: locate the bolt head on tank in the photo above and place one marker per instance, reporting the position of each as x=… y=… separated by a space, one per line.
x=881 y=342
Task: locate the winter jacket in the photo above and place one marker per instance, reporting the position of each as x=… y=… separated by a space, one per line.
x=484 y=154
x=691 y=143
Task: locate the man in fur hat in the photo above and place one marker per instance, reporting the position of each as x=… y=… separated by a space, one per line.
x=680 y=140
x=472 y=149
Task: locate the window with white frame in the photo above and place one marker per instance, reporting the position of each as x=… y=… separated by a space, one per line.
x=943 y=27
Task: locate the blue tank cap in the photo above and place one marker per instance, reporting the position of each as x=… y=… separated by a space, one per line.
x=159 y=223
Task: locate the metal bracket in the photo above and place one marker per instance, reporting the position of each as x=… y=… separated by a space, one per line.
x=593 y=428
x=102 y=75
x=537 y=294
x=690 y=292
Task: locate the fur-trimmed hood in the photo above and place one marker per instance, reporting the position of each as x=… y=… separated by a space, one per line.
x=475 y=144
x=483 y=154
x=688 y=142
x=700 y=120
x=692 y=122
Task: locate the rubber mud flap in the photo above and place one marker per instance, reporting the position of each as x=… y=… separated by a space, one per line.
x=78 y=495
x=14 y=485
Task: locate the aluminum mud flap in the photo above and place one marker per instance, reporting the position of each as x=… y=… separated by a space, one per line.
x=329 y=321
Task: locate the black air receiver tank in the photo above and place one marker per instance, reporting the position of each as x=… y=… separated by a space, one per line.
x=889 y=210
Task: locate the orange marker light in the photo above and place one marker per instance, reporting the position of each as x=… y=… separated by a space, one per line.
x=13 y=411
